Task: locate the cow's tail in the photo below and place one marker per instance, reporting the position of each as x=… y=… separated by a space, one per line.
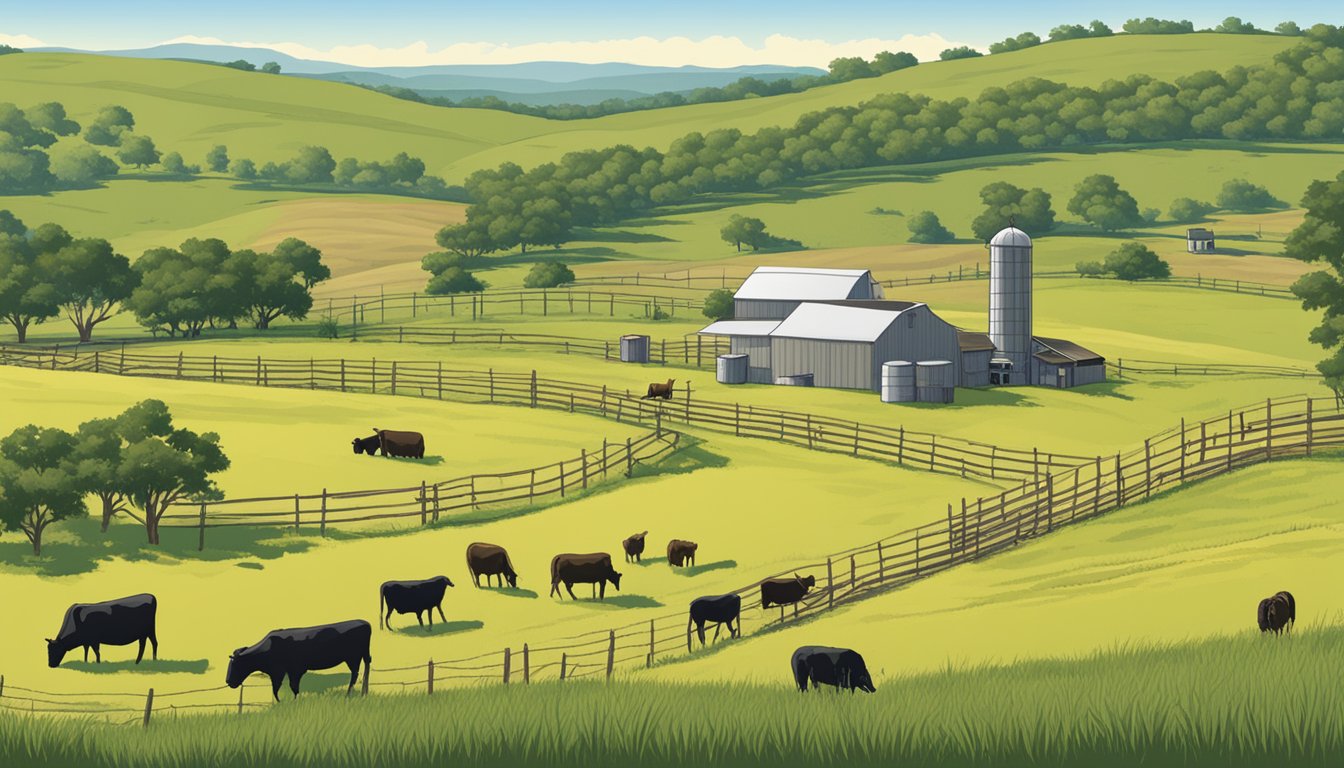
x=382 y=601
x=555 y=576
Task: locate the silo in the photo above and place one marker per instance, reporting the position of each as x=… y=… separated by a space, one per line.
x=935 y=381
x=731 y=369
x=898 y=382
x=634 y=349
x=1010 y=301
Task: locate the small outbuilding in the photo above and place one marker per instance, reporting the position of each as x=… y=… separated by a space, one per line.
x=771 y=293
x=976 y=352
x=1199 y=240
x=1064 y=365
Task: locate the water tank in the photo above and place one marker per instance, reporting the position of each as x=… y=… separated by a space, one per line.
x=795 y=380
x=731 y=369
x=898 y=382
x=634 y=349
x=935 y=381
x=1010 y=300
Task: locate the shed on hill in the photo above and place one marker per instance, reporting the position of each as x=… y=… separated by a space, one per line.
x=1063 y=364
x=771 y=293
x=1199 y=240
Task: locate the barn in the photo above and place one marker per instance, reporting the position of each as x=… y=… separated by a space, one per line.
x=1063 y=364
x=771 y=293
x=976 y=352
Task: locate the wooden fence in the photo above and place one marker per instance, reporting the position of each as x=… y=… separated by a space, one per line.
x=897 y=445
x=970 y=531
x=357 y=311
x=1122 y=367
x=696 y=351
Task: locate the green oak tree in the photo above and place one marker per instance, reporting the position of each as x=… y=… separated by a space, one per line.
x=217 y=159
x=1135 y=261
x=27 y=297
x=40 y=480
x=90 y=281
x=1005 y=203
x=109 y=125
x=718 y=304
x=926 y=228
x=454 y=280
x=548 y=275
x=163 y=465
x=1099 y=200
x=138 y=150
x=1319 y=240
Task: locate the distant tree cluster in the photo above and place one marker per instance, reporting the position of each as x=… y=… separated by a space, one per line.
x=136 y=460
x=1235 y=26
x=314 y=166
x=1131 y=261
x=959 y=52
x=749 y=231
x=30 y=161
x=1024 y=40
x=1100 y=201
x=1242 y=195
x=1078 y=31
x=270 y=67
x=7 y=49
x=1152 y=26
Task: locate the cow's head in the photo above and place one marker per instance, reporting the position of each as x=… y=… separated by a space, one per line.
x=240 y=666
x=55 y=653
x=356 y=445
x=615 y=579
x=806 y=582
x=447 y=581
x=512 y=578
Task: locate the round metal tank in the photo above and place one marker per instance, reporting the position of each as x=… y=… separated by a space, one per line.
x=1010 y=299
x=795 y=380
x=898 y=382
x=731 y=369
x=935 y=381
x=634 y=349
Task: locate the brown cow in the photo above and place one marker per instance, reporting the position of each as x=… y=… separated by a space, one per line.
x=490 y=560
x=660 y=390
x=679 y=552
x=634 y=547
x=409 y=445
x=785 y=591
x=1277 y=613
x=594 y=568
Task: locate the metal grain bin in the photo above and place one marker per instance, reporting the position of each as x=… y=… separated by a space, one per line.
x=795 y=380
x=634 y=349
x=935 y=381
x=731 y=369
x=898 y=382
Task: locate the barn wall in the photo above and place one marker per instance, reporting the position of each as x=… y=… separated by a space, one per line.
x=931 y=338
x=1048 y=375
x=757 y=350
x=975 y=368
x=760 y=309
x=1089 y=374
x=841 y=364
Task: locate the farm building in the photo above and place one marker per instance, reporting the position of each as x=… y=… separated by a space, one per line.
x=976 y=352
x=1199 y=240
x=1063 y=364
x=771 y=293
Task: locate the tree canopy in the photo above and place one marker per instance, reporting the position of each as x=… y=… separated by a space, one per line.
x=1319 y=239
x=1100 y=201
x=162 y=465
x=40 y=480
x=454 y=280
x=926 y=228
x=1242 y=195
x=718 y=304
x=1136 y=261
x=550 y=274
x=1005 y=203
x=109 y=125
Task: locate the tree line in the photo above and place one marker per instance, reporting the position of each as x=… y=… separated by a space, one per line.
x=46 y=271
x=1295 y=97
x=137 y=460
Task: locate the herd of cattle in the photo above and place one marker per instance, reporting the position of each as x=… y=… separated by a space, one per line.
x=291 y=653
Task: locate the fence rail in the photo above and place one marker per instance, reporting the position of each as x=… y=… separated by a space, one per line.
x=970 y=531
x=697 y=351
x=357 y=311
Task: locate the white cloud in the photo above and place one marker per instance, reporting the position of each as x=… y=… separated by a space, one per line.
x=21 y=41
x=716 y=51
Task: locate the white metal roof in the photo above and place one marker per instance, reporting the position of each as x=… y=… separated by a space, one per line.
x=831 y=322
x=740 y=328
x=1011 y=236
x=800 y=283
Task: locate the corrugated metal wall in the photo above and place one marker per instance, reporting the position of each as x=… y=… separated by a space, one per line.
x=931 y=338
x=757 y=349
x=1089 y=374
x=842 y=364
x=761 y=309
x=975 y=368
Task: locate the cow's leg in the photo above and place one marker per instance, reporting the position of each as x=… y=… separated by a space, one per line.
x=354 y=674
x=569 y=587
x=442 y=618
x=800 y=675
x=602 y=590
x=717 y=627
x=555 y=587
x=276 y=680
x=154 y=641
x=387 y=620
x=420 y=620
x=86 y=654
x=141 y=653
x=294 y=678
x=97 y=653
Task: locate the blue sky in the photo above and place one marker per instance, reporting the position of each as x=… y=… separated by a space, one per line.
x=399 y=25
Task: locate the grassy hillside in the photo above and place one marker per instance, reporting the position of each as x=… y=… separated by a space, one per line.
x=191 y=107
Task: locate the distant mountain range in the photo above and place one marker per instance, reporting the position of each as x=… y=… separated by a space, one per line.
x=537 y=82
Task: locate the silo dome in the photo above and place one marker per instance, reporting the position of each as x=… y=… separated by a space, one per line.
x=1011 y=236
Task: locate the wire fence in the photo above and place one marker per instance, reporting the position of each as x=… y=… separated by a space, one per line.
x=697 y=351
x=357 y=311
x=971 y=530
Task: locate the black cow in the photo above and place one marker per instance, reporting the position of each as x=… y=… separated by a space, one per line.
x=720 y=610
x=366 y=445
x=490 y=560
x=634 y=547
x=1277 y=613
x=294 y=652
x=583 y=569
x=416 y=597
x=115 y=622
x=409 y=445
x=786 y=591
x=839 y=667
x=681 y=552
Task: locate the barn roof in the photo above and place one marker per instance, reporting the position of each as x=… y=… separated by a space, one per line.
x=1059 y=351
x=888 y=304
x=969 y=341
x=1199 y=233
x=837 y=322
x=740 y=328
x=801 y=283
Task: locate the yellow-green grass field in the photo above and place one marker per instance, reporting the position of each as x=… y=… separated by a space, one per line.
x=1180 y=568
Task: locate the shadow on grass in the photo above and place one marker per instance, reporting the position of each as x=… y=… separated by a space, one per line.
x=439 y=629
x=614 y=601
x=513 y=592
x=432 y=461
x=696 y=570
x=148 y=666
x=1111 y=389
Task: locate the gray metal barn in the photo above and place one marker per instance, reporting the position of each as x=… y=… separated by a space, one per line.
x=976 y=352
x=771 y=293
x=1063 y=364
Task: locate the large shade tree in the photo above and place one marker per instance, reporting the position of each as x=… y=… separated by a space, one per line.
x=40 y=481
x=163 y=465
x=1319 y=239
x=26 y=295
x=90 y=280
x=98 y=461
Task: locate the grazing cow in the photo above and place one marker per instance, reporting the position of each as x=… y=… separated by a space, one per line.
x=1278 y=613
x=724 y=609
x=679 y=552
x=786 y=591
x=293 y=652
x=410 y=445
x=366 y=445
x=660 y=390
x=583 y=569
x=490 y=560
x=839 y=667
x=412 y=597
x=115 y=622
x=634 y=547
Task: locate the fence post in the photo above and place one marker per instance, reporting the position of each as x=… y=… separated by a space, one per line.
x=611 y=652
x=258 y=370
x=1182 y=449
x=429 y=677
x=323 y=528
x=882 y=563
x=241 y=686
x=629 y=458
x=1269 y=429
x=436 y=502
x=737 y=419
x=121 y=366
x=853 y=573
x=149 y=707
x=440 y=379
x=562 y=479
x=651 y=649
x=527 y=666
x=564 y=662
x=296 y=513
x=200 y=545
x=534 y=387
x=394 y=377
x=1147 y=467
x=508 y=661
x=1310 y=430
x=583 y=458
x=424 y=503
x=1119 y=483
x=830 y=585
x=342 y=374
x=95 y=361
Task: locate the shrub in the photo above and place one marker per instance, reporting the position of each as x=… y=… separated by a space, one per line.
x=1185 y=209
x=328 y=328
x=1091 y=269
x=548 y=275
x=926 y=228
x=454 y=280
x=718 y=304
x=1242 y=195
x=1136 y=261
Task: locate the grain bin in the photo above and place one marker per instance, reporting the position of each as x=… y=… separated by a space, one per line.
x=935 y=381
x=795 y=380
x=634 y=349
x=898 y=382
x=1010 y=302
x=731 y=369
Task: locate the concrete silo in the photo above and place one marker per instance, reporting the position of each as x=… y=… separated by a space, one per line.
x=1010 y=306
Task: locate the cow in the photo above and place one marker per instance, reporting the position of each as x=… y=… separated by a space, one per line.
x=839 y=667
x=410 y=445
x=490 y=560
x=660 y=390
x=785 y=591
x=1277 y=613
x=293 y=652
x=366 y=445
x=115 y=622
x=679 y=552
x=720 y=610
x=424 y=596
x=634 y=547
x=594 y=568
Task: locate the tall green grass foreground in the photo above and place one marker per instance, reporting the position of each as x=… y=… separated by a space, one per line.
x=1245 y=700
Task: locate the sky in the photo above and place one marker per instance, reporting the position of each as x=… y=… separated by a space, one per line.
x=700 y=32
